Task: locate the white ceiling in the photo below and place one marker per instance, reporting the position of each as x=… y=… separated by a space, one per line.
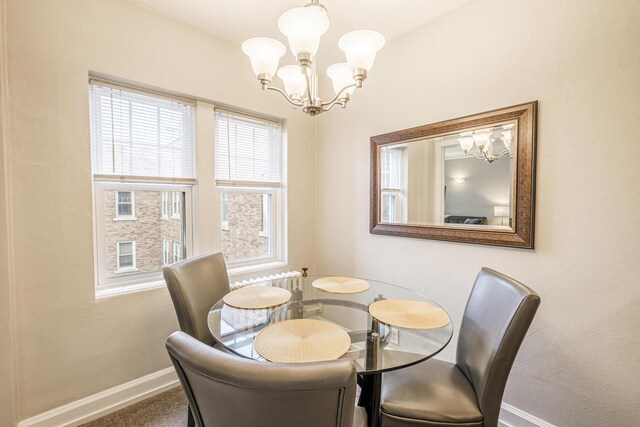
x=238 y=20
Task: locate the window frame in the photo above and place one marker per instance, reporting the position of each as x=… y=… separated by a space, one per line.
x=200 y=209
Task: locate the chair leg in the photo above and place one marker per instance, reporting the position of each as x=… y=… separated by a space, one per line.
x=191 y=422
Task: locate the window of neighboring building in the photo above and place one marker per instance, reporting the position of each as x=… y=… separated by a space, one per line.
x=165 y=205
x=248 y=180
x=175 y=197
x=265 y=215
x=125 y=205
x=126 y=256
x=224 y=211
x=143 y=149
x=166 y=252
x=177 y=252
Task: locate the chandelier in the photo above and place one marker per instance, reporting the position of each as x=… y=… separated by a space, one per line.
x=303 y=27
x=486 y=142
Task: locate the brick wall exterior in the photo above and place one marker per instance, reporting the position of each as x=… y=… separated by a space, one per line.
x=243 y=239
x=148 y=230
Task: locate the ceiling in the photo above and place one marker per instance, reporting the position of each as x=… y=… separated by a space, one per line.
x=238 y=20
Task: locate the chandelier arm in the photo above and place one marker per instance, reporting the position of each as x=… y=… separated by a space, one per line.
x=476 y=156
x=335 y=98
x=340 y=102
x=503 y=153
x=283 y=93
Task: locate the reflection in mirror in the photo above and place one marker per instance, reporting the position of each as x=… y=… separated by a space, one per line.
x=458 y=180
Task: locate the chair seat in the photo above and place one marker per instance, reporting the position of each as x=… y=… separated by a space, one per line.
x=432 y=393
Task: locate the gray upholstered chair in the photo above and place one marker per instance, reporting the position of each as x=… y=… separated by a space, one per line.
x=195 y=285
x=469 y=392
x=224 y=390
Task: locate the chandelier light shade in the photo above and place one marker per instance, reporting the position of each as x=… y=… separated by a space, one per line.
x=294 y=79
x=341 y=76
x=361 y=47
x=265 y=53
x=303 y=27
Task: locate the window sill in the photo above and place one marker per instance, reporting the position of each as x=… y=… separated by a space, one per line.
x=129 y=289
x=125 y=218
x=233 y=273
x=237 y=271
x=126 y=270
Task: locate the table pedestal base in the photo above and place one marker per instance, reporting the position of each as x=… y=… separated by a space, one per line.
x=371 y=385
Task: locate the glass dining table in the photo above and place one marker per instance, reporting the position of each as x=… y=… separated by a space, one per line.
x=375 y=347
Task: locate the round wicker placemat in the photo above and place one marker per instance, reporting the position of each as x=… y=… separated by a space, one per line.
x=257 y=297
x=302 y=340
x=341 y=285
x=409 y=314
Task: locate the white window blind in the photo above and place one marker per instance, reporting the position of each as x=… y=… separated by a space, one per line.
x=248 y=150
x=135 y=134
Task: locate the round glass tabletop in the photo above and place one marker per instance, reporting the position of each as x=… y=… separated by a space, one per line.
x=375 y=346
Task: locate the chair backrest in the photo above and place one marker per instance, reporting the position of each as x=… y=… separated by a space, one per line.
x=195 y=285
x=226 y=390
x=496 y=319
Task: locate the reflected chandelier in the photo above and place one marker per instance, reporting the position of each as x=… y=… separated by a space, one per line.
x=485 y=140
x=303 y=27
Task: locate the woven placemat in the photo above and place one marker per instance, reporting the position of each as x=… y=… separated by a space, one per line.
x=257 y=297
x=341 y=285
x=409 y=314
x=302 y=340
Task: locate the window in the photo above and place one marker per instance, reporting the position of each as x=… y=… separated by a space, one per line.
x=248 y=180
x=177 y=256
x=393 y=186
x=143 y=149
x=166 y=254
x=125 y=205
x=165 y=205
x=175 y=197
x=224 y=211
x=265 y=216
x=126 y=256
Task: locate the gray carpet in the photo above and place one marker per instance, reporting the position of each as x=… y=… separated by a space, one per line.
x=168 y=409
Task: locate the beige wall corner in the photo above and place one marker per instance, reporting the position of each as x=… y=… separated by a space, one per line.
x=7 y=313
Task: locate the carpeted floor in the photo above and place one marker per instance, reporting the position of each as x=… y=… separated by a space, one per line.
x=168 y=409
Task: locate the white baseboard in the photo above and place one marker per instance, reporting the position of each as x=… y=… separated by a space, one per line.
x=99 y=404
x=510 y=416
x=105 y=402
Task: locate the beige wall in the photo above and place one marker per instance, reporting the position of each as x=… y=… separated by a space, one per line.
x=70 y=345
x=579 y=365
x=7 y=415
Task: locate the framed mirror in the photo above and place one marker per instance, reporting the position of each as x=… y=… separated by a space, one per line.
x=470 y=179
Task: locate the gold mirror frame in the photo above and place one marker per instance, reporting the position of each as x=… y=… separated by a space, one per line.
x=524 y=176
